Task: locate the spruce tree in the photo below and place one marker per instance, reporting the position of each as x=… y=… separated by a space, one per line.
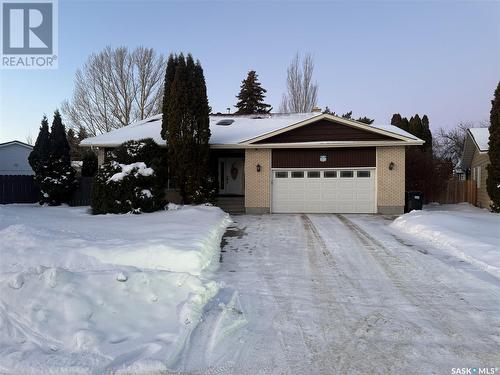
x=39 y=157
x=251 y=96
x=61 y=182
x=426 y=134
x=415 y=126
x=493 y=179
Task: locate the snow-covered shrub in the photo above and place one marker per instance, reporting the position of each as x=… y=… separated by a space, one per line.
x=133 y=181
x=206 y=193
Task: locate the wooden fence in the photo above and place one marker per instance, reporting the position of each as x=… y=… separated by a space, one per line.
x=18 y=189
x=458 y=191
x=81 y=196
x=22 y=189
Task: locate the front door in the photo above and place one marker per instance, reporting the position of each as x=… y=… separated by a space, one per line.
x=231 y=176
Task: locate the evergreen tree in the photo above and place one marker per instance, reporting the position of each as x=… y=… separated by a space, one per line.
x=251 y=96
x=39 y=157
x=396 y=120
x=415 y=127
x=493 y=179
x=185 y=126
x=60 y=182
x=426 y=134
x=347 y=115
x=169 y=78
x=365 y=120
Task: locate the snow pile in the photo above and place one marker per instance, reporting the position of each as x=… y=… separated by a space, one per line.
x=469 y=233
x=137 y=169
x=103 y=294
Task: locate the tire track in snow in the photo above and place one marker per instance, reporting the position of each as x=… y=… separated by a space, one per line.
x=404 y=279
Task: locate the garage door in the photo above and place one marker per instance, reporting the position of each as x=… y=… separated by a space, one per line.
x=323 y=191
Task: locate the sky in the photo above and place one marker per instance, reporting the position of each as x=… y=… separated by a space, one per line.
x=376 y=58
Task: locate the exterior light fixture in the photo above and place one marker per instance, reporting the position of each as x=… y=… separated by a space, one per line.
x=391 y=166
x=258 y=167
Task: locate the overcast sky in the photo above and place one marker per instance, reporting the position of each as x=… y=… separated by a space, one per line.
x=440 y=58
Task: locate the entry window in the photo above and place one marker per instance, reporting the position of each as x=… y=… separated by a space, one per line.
x=346 y=174
x=297 y=174
x=313 y=174
x=363 y=173
x=281 y=174
x=330 y=174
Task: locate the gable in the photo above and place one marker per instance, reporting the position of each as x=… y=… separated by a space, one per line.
x=325 y=131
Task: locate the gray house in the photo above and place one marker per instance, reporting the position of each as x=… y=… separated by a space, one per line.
x=14 y=158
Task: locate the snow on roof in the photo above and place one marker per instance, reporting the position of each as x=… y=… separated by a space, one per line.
x=241 y=129
x=476 y=138
x=481 y=137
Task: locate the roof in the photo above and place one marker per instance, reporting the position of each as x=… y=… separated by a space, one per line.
x=241 y=132
x=16 y=143
x=481 y=137
x=475 y=139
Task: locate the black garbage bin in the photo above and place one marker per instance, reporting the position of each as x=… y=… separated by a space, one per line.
x=413 y=200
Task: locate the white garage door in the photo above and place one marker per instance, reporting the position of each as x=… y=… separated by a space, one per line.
x=323 y=191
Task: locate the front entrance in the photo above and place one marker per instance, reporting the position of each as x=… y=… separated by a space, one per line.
x=231 y=176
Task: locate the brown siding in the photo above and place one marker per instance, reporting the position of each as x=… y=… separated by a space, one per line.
x=336 y=158
x=324 y=130
x=481 y=160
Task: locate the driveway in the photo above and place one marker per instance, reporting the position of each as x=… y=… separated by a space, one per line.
x=343 y=294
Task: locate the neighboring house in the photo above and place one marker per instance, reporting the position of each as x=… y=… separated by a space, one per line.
x=297 y=163
x=475 y=159
x=14 y=158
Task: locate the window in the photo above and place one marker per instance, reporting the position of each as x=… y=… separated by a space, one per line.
x=297 y=174
x=329 y=174
x=281 y=174
x=225 y=122
x=363 y=174
x=313 y=174
x=346 y=174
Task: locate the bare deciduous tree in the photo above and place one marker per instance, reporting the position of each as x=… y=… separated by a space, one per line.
x=448 y=144
x=114 y=88
x=301 y=93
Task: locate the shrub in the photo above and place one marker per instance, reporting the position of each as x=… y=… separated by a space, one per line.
x=133 y=181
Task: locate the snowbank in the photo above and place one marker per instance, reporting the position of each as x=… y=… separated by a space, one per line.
x=82 y=293
x=469 y=233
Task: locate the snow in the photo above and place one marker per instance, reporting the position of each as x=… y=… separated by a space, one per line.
x=470 y=233
x=103 y=294
x=242 y=129
x=138 y=168
x=481 y=137
x=342 y=294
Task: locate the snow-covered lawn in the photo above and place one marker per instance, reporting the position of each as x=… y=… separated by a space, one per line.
x=82 y=293
x=467 y=232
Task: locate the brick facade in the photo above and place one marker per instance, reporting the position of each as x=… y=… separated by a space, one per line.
x=390 y=183
x=257 y=184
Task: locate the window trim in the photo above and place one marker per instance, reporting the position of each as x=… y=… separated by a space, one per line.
x=301 y=172
x=318 y=172
x=346 y=171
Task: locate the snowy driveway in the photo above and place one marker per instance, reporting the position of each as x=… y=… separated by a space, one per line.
x=342 y=294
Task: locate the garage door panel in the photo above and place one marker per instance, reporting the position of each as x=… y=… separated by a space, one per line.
x=340 y=191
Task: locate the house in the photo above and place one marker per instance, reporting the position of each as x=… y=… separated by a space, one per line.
x=475 y=159
x=296 y=163
x=14 y=158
